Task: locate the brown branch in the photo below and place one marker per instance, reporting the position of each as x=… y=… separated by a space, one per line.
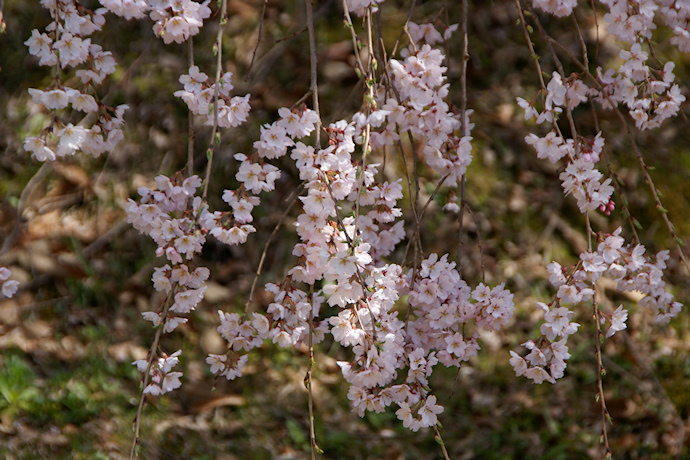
x=258 y=40
x=291 y=199
x=219 y=66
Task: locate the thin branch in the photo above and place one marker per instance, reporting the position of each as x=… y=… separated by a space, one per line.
x=355 y=42
x=190 y=118
x=479 y=237
x=291 y=199
x=219 y=66
x=293 y=35
x=600 y=374
x=439 y=439
x=147 y=377
x=32 y=185
x=367 y=129
x=313 y=62
x=463 y=116
x=258 y=40
x=404 y=29
x=308 y=379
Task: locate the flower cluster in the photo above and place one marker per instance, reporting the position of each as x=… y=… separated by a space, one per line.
x=420 y=110
x=198 y=94
x=360 y=7
x=66 y=44
x=9 y=287
x=649 y=94
x=175 y=20
x=170 y=216
x=347 y=252
x=629 y=266
x=580 y=178
x=443 y=306
x=383 y=345
x=163 y=380
x=558 y=8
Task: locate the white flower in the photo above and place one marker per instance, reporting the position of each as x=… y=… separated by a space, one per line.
x=429 y=410
x=618 y=319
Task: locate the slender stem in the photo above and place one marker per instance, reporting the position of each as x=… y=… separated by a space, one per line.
x=36 y=180
x=190 y=118
x=293 y=35
x=463 y=68
x=258 y=40
x=291 y=200
x=219 y=65
x=404 y=30
x=598 y=339
x=147 y=377
x=479 y=238
x=313 y=62
x=437 y=434
x=534 y=55
x=463 y=115
x=600 y=374
x=312 y=434
x=367 y=110
x=355 y=42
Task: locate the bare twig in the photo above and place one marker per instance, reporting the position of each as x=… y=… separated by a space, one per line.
x=404 y=29
x=293 y=35
x=291 y=201
x=314 y=87
x=258 y=40
x=32 y=185
x=479 y=237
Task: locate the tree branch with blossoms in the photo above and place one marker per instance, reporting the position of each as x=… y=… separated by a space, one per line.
x=342 y=279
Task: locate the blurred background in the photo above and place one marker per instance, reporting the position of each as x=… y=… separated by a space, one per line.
x=67 y=339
